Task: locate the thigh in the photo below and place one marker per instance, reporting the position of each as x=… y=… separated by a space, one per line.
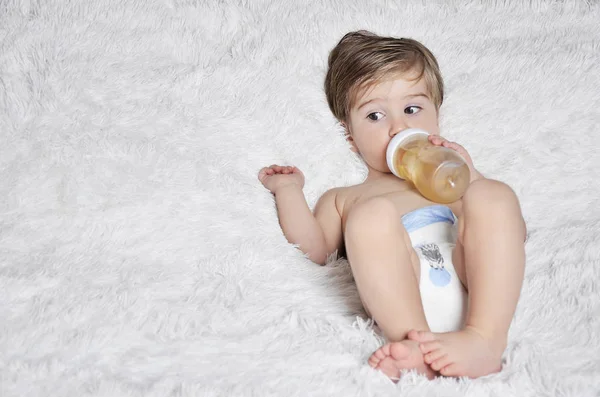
x=374 y=228
x=415 y=262
x=458 y=256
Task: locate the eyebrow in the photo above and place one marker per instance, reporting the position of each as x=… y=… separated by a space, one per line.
x=416 y=95
x=419 y=94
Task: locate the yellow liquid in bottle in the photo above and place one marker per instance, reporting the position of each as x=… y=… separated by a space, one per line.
x=439 y=173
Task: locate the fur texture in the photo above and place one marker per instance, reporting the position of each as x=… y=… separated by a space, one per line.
x=141 y=256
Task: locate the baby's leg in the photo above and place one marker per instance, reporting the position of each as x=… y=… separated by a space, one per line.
x=491 y=234
x=385 y=269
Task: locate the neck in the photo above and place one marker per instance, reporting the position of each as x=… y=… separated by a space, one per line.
x=375 y=175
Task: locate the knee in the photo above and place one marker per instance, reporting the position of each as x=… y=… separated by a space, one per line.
x=492 y=200
x=374 y=216
x=489 y=195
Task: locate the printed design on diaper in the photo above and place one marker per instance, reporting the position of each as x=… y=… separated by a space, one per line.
x=438 y=274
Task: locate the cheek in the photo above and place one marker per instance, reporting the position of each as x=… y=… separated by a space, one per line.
x=374 y=147
x=433 y=126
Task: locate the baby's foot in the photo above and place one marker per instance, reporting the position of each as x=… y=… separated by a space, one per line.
x=396 y=356
x=463 y=353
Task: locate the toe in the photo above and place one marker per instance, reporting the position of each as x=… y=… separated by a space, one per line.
x=383 y=351
x=377 y=356
x=441 y=362
x=433 y=356
x=373 y=361
x=380 y=354
x=452 y=369
x=428 y=347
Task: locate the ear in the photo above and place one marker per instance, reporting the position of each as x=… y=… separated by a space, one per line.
x=349 y=138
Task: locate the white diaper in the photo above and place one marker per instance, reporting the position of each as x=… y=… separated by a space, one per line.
x=432 y=232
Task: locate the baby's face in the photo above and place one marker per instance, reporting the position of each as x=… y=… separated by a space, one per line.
x=384 y=110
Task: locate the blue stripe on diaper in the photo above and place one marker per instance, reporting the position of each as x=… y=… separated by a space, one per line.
x=426 y=216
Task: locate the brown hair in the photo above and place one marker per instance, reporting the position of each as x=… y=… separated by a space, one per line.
x=362 y=58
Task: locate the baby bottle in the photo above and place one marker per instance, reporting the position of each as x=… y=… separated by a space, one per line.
x=439 y=174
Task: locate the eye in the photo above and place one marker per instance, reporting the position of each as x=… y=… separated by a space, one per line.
x=412 y=109
x=375 y=116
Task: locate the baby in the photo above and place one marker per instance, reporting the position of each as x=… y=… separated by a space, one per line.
x=377 y=87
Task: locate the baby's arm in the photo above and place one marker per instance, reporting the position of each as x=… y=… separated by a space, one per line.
x=328 y=217
x=318 y=234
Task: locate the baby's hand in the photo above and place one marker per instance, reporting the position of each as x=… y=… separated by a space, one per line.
x=439 y=141
x=276 y=176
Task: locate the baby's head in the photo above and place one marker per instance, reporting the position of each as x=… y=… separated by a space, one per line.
x=377 y=86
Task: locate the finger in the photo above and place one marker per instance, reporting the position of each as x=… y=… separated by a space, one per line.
x=262 y=176
x=458 y=148
x=452 y=145
x=436 y=139
x=263 y=171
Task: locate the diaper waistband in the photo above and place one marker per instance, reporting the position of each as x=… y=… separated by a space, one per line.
x=434 y=223
x=425 y=216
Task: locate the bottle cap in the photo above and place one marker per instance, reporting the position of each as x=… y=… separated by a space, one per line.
x=396 y=141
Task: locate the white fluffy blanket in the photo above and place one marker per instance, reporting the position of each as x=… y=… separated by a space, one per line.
x=139 y=254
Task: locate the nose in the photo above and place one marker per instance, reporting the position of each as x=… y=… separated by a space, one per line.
x=397 y=127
